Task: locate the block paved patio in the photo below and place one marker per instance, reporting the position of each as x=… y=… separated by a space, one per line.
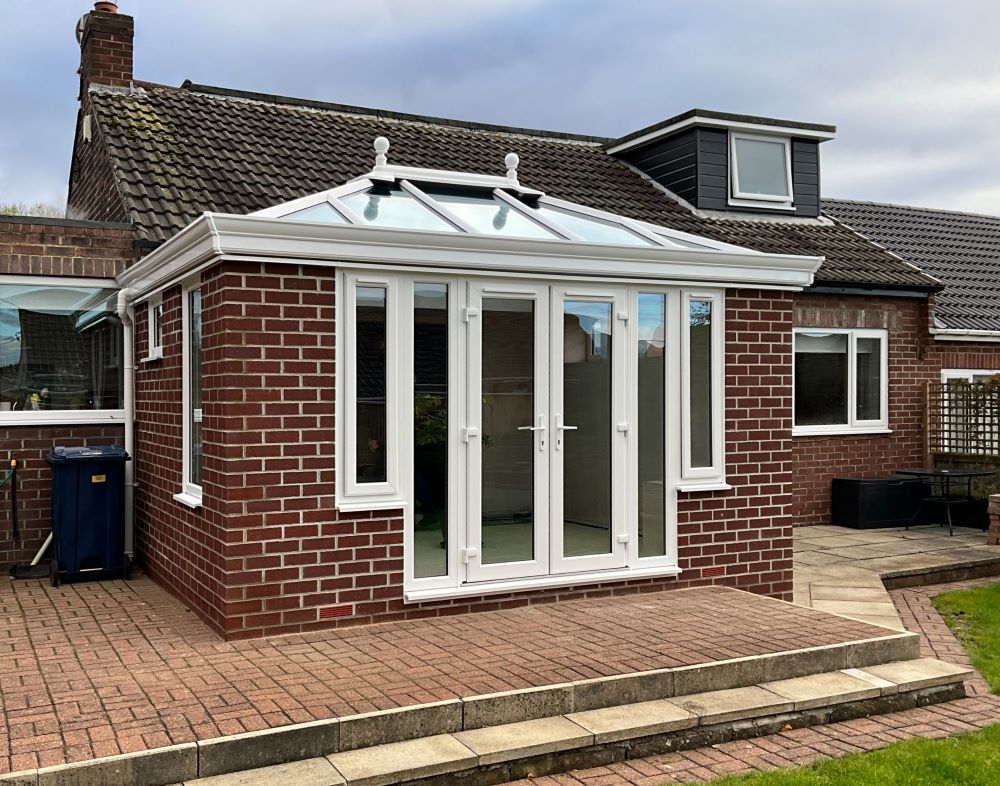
x=804 y=746
x=97 y=669
x=842 y=570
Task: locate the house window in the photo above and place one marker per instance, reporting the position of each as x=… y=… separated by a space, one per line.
x=155 y=324
x=60 y=352
x=370 y=402
x=701 y=390
x=840 y=380
x=192 y=400
x=651 y=434
x=761 y=170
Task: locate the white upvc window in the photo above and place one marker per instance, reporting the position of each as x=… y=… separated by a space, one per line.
x=967 y=375
x=192 y=457
x=702 y=389
x=760 y=167
x=840 y=381
x=368 y=389
x=154 y=312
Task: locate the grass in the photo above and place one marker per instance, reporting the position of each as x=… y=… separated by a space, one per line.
x=974 y=617
x=969 y=759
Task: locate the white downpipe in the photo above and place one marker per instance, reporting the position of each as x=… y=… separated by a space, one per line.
x=42 y=550
x=126 y=315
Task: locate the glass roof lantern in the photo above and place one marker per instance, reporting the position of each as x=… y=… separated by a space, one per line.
x=430 y=200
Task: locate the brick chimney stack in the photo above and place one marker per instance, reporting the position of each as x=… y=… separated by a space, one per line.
x=105 y=38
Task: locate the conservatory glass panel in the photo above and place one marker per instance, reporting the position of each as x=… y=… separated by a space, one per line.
x=395 y=209
x=591 y=229
x=486 y=214
x=323 y=212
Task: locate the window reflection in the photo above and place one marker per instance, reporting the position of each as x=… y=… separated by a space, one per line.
x=700 y=379
x=651 y=352
x=370 y=315
x=60 y=348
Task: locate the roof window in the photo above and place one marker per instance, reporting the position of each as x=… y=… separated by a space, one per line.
x=760 y=170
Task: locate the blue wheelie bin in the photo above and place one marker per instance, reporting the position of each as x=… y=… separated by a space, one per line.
x=88 y=512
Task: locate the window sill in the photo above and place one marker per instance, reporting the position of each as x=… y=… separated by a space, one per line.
x=64 y=417
x=189 y=500
x=370 y=503
x=543 y=582
x=762 y=204
x=839 y=432
x=708 y=485
x=151 y=358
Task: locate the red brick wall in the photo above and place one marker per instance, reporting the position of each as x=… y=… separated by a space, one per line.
x=50 y=247
x=914 y=360
x=106 y=50
x=269 y=550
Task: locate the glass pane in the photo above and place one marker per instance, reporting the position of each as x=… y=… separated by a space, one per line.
x=587 y=449
x=194 y=373
x=370 y=429
x=820 y=379
x=430 y=429
x=395 y=209
x=761 y=167
x=590 y=229
x=487 y=214
x=323 y=212
x=651 y=428
x=60 y=348
x=157 y=337
x=700 y=379
x=869 y=369
x=508 y=480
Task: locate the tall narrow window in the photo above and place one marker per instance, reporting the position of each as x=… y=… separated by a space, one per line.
x=155 y=328
x=430 y=430
x=370 y=311
x=651 y=357
x=194 y=442
x=700 y=381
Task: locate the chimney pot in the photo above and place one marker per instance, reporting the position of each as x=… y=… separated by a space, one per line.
x=106 y=5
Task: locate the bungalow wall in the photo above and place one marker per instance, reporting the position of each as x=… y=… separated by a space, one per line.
x=915 y=359
x=268 y=552
x=50 y=247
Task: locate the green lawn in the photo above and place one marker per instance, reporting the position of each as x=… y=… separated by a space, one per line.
x=974 y=617
x=969 y=760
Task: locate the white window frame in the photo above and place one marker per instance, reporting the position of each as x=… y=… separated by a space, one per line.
x=965 y=374
x=351 y=495
x=745 y=199
x=190 y=493
x=853 y=425
x=154 y=350
x=713 y=476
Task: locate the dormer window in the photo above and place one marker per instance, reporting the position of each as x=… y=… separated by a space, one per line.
x=761 y=171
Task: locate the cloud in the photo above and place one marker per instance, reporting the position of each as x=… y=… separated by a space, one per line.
x=913 y=85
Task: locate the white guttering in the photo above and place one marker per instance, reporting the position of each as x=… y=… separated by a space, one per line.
x=954 y=334
x=126 y=315
x=255 y=238
x=715 y=122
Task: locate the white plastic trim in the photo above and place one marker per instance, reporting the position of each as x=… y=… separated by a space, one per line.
x=746 y=198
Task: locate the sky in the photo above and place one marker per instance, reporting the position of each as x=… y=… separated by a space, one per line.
x=912 y=86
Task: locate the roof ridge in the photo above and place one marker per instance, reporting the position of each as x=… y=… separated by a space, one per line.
x=944 y=210
x=386 y=114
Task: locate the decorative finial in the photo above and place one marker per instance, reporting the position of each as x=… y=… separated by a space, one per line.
x=512 y=161
x=381 y=148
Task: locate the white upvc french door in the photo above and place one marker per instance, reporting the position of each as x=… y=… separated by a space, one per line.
x=589 y=456
x=507 y=431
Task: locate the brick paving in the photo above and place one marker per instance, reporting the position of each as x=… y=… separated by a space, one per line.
x=804 y=746
x=96 y=669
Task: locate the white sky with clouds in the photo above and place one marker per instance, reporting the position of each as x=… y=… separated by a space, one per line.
x=913 y=85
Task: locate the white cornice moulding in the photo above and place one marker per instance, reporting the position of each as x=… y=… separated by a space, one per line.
x=253 y=238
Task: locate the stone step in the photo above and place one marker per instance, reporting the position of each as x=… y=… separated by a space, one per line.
x=590 y=737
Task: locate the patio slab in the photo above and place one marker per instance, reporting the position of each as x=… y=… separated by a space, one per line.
x=102 y=669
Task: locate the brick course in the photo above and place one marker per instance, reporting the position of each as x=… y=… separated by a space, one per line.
x=914 y=360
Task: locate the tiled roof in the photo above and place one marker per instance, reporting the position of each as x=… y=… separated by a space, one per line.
x=962 y=250
x=178 y=152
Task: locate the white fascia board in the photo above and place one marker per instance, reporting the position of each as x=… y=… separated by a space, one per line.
x=252 y=237
x=444 y=176
x=714 y=122
x=954 y=334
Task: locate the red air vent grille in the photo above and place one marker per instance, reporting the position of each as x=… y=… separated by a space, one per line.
x=331 y=612
x=710 y=573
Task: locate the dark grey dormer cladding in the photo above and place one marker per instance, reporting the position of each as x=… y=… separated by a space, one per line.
x=694 y=164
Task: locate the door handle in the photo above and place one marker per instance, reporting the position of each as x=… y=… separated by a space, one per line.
x=560 y=428
x=540 y=427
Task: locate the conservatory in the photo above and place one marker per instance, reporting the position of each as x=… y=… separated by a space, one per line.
x=528 y=384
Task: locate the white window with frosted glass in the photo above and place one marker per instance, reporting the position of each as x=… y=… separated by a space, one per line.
x=760 y=170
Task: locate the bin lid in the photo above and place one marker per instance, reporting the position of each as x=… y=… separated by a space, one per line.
x=62 y=455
